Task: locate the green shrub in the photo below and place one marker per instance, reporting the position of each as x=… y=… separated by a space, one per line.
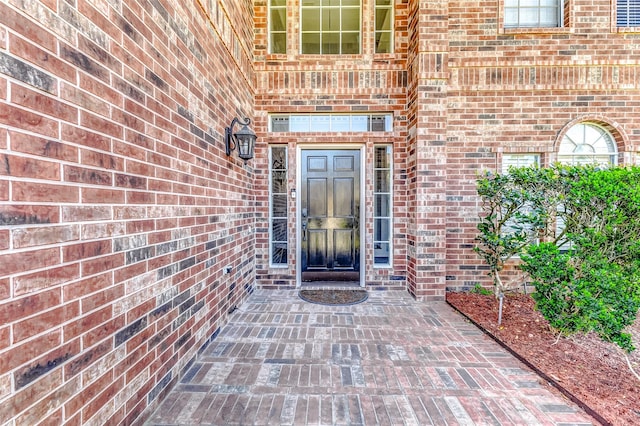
x=609 y=299
x=593 y=285
x=514 y=213
x=552 y=275
x=478 y=289
x=595 y=296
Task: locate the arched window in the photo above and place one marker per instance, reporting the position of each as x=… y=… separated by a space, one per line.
x=588 y=143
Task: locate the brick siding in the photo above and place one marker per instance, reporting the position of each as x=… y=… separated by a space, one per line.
x=463 y=90
x=119 y=209
x=517 y=91
x=366 y=83
x=118 y=206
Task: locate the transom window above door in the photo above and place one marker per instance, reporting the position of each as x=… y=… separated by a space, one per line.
x=330 y=123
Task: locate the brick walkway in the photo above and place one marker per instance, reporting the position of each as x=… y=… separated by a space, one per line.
x=388 y=361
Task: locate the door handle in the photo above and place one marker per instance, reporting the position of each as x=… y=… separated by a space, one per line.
x=304 y=230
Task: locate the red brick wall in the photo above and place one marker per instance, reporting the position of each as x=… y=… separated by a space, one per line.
x=118 y=207
x=365 y=83
x=428 y=150
x=517 y=91
x=473 y=90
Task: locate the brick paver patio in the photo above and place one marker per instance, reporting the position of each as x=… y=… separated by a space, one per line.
x=388 y=361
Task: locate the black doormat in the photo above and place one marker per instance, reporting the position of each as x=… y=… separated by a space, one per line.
x=334 y=297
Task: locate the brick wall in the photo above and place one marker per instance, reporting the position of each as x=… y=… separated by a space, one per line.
x=118 y=207
x=471 y=90
x=365 y=83
x=517 y=91
x=429 y=150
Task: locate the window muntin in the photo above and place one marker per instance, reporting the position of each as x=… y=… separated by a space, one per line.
x=383 y=37
x=277 y=26
x=331 y=123
x=588 y=143
x=278 y=207
x=382 y=205
x=533 y=13
x=330 y=27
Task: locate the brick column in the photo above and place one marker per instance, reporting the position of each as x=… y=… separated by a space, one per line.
x=428 y=155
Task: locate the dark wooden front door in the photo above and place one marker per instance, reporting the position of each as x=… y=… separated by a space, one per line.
x=330 y=215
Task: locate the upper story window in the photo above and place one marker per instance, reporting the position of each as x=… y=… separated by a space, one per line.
x=278 y=26
x=384 y=26
x=588 y=143
x=533 y=13
x=330 y=27
x=628 y=13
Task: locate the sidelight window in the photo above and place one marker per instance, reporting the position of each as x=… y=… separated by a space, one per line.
x=382 y=205
x=384 y=26
x=278 y=206
x=277 y=26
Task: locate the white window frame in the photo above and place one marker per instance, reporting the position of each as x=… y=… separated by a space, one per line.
x=572 y=149
x=389 y=193
x=520 y=160
x=332 y=123
x=519 y=8
x=321 y=32
x=570 y=144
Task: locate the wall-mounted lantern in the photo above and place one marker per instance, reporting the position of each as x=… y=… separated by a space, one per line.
x=244 y=140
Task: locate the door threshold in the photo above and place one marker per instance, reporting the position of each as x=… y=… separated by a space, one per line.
x=330 y=276
x=330 y=285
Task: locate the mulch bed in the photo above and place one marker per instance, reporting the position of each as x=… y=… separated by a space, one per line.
x=593 y=371
x=334 y=297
